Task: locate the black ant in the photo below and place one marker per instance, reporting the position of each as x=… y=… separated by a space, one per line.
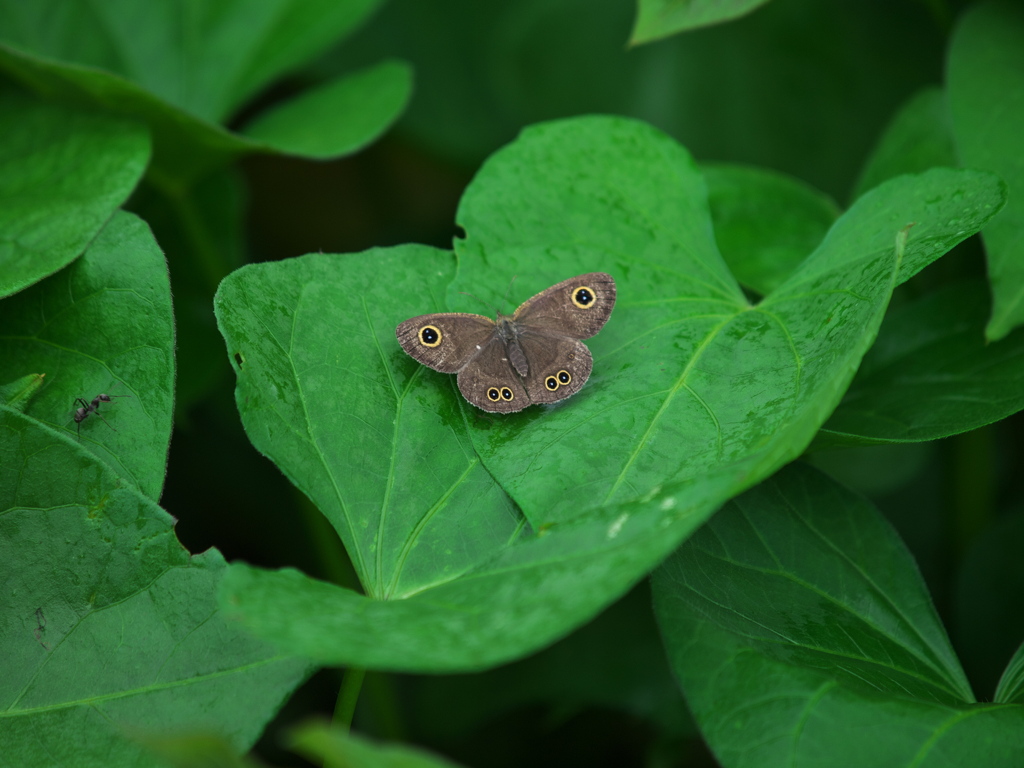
x=82 y=413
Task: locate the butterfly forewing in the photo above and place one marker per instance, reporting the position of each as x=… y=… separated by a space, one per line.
x=445 y=341
x=578 y=307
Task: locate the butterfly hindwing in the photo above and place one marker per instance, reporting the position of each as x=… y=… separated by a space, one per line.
x=445 y=341
x=490 y=382
x=559 y=367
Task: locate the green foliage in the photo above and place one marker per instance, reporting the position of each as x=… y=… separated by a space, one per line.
x=798 y=611
x=63 y=172
x=363 y=515
x=183 y=69
x=986 y=77
x=108 y=623
x=660 y=18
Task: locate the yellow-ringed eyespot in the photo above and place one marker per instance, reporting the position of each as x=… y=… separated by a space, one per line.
x=493 y=394
x=430 y=336
x=506 y=393
x=564 y=377
x=551 y=383
x=583 y=297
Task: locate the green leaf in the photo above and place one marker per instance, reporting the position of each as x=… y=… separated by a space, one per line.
x=931 y=374
x=917 y=138
x=63 y=173
x=661 y=18
x=327 y=394
x=333 y=746
x=19 y=392
x=309 y=125
x=689 y=378
x=765 y=223
x=382 y=445
x=102 y=325
x=182 y=69
x=108 y=626
x=796 y=617
x=1011 y=685
x=985 y=80
x=205 y=61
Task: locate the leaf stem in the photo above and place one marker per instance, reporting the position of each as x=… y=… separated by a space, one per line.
x=348 y=696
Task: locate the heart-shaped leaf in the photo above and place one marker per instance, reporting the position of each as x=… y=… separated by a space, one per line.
x=108 y=626
x=103 y=325
x=690 y=377
x=63 y=173
x=696 y=395
x=796 y=615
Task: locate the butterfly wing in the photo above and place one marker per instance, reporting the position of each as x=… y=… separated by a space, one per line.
x=445 y=341
x=576 y=308
x=559 y=367
x=490 y=382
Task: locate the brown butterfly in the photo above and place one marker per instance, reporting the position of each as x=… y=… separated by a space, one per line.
x=532 y=356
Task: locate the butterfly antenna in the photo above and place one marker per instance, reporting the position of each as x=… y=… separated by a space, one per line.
x=508 y=290
x=489 y=306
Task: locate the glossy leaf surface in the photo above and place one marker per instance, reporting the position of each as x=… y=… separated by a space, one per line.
x=102 y=325
x=108 y=625
x=696 y=395
x=797 y=614
x=63 y=173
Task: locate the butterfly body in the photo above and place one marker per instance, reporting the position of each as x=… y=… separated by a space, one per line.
x=532 y=356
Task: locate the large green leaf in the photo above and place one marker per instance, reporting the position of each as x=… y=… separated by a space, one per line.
x=184 y=68
x=796 y=619
x=660 y=18
x=63 y=173
x=326 y=392
x=104 y=324
x=689 y=378
x=931 y=374
x=696 y=395
x=985 y=81
x=108 y=627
